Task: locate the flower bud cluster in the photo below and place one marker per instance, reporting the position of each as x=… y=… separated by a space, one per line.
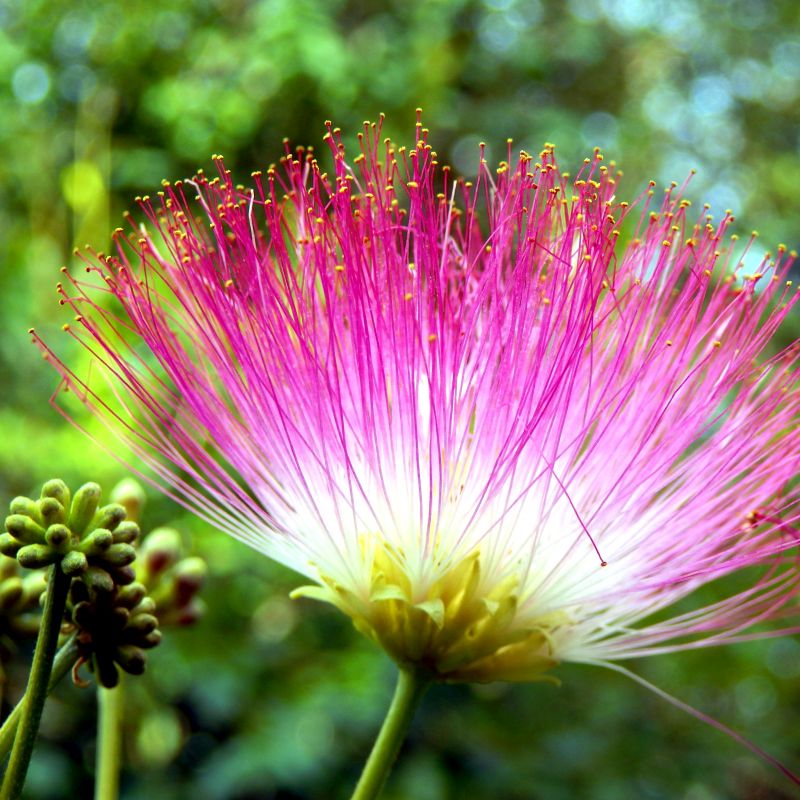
x=114 y=628
x=82 y=537
x=114 y=596
x=94 y=544
x=172 y=579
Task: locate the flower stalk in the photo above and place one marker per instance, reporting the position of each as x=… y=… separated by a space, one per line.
x=38 y=683
x=110 y=707
x=411 y=687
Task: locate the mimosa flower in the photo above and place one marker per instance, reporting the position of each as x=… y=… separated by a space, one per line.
x=501 y=424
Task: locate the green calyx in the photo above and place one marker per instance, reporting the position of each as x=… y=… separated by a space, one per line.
x=114 y=628
x=75 y=532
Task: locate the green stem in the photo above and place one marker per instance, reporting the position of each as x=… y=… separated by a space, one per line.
x=411 y=686
x=38 y=680
x=64 y=661
x=110 y=703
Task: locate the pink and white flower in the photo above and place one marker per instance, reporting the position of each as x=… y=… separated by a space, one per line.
x=501 y=424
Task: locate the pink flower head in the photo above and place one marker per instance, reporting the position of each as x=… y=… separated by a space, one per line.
x=499 y=423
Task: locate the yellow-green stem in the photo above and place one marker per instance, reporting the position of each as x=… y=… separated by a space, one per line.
x=110 y=703
x=411 y=686
x=38 y=682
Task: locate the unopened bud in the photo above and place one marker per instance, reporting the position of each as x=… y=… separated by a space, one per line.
x=130 y=494
x=131 y=659
x=160 y=550
x=74 y=563
x=36 y=556
x=188 y=614
x=52 y=511
x=99 y=580
x=109 y=516
x=97 y=542
x=152 y=639
x=84 y=506
x=106 y=669
x=9 y=546
x=26 y=507
x=126 y=532
x=142 y=624
x=189 y=575
x=130 y=596
x=118 y=617
x=57 y=489
x=119 y=555
x=146 y=606
x=122 y=576
x=58 y=536
x=24 y=529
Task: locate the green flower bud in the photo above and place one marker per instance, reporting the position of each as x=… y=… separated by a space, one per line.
x=58 y=536
x=24 y=529
x=52 y=511
x=130 y=596
x=97 y=542
x=109 y=516
x=84 y=506
x=57 y=490
x=118 y=555
x=126 y=532
x=151 y=640
x=147 y=606
x=122 y=576
x=142 y=624
x=36 y=556
x=9 y=546
x=131 y=659
x=74 y=563
x=26 y=507
x=130 y=494
x=98 y=579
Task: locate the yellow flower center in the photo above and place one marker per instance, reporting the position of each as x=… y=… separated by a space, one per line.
x=458 y=628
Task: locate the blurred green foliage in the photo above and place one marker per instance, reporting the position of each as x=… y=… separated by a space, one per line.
x=268 y=698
